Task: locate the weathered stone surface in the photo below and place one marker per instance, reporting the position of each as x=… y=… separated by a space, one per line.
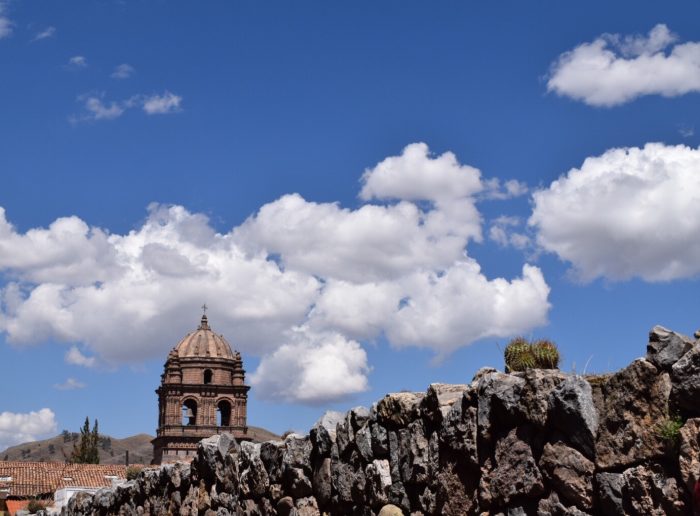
x=322 y=434
x=390 y=510
x=254 y=479
x=609 y=491
x=271 y=453
x=689 y=453
x=285 y=506
x=570 y=473
x=363 y=442
x=516 y=473
x=297 y=483
x=456 y=492
x=438 y=401
x=378 y=477
x=398 y=409
x=357 y=417
x=666 y=347
x=322 y=482
x=650 y=490
x=685 y=375
x=307 y=507
x=344 y=437
x=572 y=411
x=482 y=372
x=297 y=453
x=380 y=440
x=636 y=398
x=414 y=453
x=534 y=396
x=343 y=478
x=498 y=402
x=552 y=506
x=458 y=432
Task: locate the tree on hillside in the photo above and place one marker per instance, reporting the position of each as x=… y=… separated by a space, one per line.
x=87 y=452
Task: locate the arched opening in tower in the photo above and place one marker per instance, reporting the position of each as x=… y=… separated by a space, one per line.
x=189 y=413
x=207 y=376
x=223 y=409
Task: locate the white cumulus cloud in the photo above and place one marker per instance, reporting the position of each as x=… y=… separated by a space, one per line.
x=613 y=69
x=162 y=104
x=48 y=32
x=16 y=428
x=630 y=212
x=6 y=24
x=77 y=62
x=296 y=276
x=312 y=368
x=70 y=384
x=75 y=357
x=122 y=71
x=96 y=108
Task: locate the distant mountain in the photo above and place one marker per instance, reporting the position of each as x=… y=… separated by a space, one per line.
x=112 y=450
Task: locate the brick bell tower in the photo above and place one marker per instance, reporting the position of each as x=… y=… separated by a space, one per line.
x=202 y=393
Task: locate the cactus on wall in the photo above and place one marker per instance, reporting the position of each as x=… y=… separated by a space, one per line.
x=520 y=355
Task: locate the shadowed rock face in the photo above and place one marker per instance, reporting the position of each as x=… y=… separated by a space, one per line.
x=535 y=442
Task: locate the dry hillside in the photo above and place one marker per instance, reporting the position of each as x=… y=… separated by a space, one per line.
x=112 y=450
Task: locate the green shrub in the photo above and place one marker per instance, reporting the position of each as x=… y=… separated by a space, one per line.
x=546 y=354
x=132 y=472
x=669 y=430
x=520 y=355
x=34 y=506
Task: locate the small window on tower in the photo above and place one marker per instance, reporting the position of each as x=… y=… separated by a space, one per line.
x=207 y=376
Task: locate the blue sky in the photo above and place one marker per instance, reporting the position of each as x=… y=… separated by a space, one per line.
x=370 y=196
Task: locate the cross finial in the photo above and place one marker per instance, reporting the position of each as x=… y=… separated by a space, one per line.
x=204 y=308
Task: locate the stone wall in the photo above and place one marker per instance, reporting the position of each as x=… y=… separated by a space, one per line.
x=537 y=442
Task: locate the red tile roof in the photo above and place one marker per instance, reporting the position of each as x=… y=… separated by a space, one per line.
x=36 y=478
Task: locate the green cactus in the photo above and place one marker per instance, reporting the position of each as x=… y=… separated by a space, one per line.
x=546 y=354
x=518 y=355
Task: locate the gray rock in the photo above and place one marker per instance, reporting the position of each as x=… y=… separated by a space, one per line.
x=438 y=401
x=516 y=473
x=458 y=432
x=297 y=483
x=610 y=493
x=398 y=409
x=456 y=491
x=345 y=437
x=534 y=396
x=322 y=434
x=358 y=416
x=666 y=347
x=380 y=440
x=322 y=482
x=551 y=506
x=569 y=473
x=685 y=375
x=271 y=453
x=651 y=490
x=363 y=442
x=285 y=506
x=498 y=402
x=482 y=372
x=572 y=411
x=635 y=400
x=390 y=510
x=343 y=478
x=307 y=507
x=297 y=452
x=689 y=453
x=378 y=477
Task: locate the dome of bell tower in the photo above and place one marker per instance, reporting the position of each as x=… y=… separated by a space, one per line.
x=204 y=343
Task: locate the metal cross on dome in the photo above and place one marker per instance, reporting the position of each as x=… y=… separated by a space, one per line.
x=204 y=308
